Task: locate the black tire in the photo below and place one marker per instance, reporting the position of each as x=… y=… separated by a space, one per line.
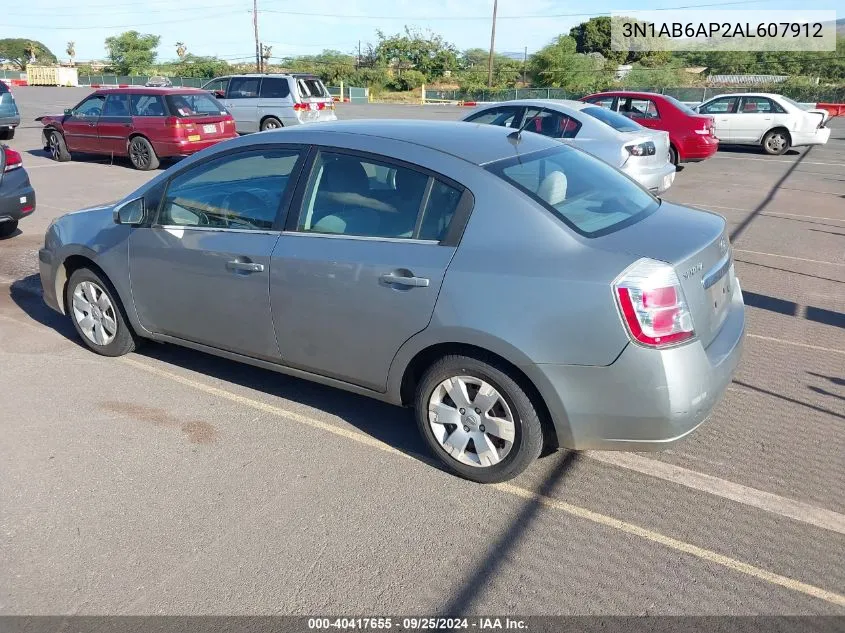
x=124 y=340
x=776 y=142
x=7 y=135
x=57 y=147
x=142 y=155
x=7 y=228
x=528 y=436
x=673 y=155
x=271 y=123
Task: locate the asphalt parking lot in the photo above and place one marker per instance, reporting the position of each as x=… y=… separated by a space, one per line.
x=172 y=482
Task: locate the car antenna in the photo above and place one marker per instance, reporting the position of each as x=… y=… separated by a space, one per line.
x=515 y=138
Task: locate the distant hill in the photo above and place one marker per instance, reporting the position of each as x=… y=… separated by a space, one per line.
x=840 y=26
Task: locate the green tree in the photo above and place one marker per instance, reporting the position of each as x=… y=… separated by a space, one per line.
x=197 y=66
x=18 y=52
x=408 y=80
x=593 y=36
x=559 y=65
x=426 y=52
x=132 y=53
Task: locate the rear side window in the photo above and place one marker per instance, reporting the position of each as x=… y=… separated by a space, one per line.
x=311 y=87
x=586 y=193
x=550 y=123
x=147 y=105
x=502 y=116
x=192 y=105
x=639 y=108
x=618 y=122
x=244 y=87
x=275 y=88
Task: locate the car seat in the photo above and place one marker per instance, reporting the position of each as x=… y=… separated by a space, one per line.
x=333 y=214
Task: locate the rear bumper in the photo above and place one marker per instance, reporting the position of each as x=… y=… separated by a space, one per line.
x=697 y=148
x=647 y=399
x=10 y=121
x=17 y=197
x=655 y=179
x=819 y=136
x=187 y=148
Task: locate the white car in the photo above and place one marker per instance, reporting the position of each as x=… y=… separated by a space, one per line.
x=640 y=153
x=772 y=121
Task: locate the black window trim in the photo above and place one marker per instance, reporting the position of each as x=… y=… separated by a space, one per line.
x=160 y=190
x=456 y=226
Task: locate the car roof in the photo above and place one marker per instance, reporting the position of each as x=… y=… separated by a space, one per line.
x=626 y=93
x=541 y=103
x=473 y=142
x=148 y=90
x=770 y=95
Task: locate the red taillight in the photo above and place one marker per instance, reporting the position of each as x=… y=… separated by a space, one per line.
x=13 y=159
x=300 y=106
x=652 y=304
x=173 y=121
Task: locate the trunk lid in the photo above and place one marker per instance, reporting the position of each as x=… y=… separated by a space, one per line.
x=319 y=104
x=661 y=147
x=697 y=246
x=208 y=127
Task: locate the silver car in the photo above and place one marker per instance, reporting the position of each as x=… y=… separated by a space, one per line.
x=513 y=290
x=637 y=151
x=268 y=102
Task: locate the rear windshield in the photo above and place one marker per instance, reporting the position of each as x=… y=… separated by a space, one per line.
x=681 y=106
x=615 y=120
x=194 y=104
x=586 y=193
x=311 y=87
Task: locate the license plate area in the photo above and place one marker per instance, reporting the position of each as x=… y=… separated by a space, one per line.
x=720 y=292
x=209 y=128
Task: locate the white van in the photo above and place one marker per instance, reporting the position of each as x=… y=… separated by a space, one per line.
x=267 y=102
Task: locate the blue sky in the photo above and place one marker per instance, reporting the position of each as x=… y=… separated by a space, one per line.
x=224 y=27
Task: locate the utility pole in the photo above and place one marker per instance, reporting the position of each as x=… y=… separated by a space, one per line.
x=255 y=28
x=492 y=45
x=524 y=64
x=358 y=61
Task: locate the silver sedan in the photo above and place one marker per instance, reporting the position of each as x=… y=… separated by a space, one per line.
x=637 y=151
x=513 y=290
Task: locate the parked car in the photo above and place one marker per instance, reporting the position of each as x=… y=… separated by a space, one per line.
x=772 y=121
x=159 y=82
x=145 y=124
x=638 y=152
x=691 y=135
x=507 y=286
x=17 y=197
x=10 y=118
x=268 y=102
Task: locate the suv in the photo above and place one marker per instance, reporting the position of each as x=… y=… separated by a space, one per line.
x=10 y=118
x=268 y=102
x=146 y=124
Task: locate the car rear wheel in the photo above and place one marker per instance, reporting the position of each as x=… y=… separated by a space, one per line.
x=776 y=142
x=7 y=228
x=97 y=315
x=7 y=134
x=673 y=155
x=477 y=419
x=271 y=123
x=57 y=147
x=142 y=155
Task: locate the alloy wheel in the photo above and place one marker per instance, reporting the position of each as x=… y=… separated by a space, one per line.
x=139 y=153
x=53 y=143
x=471 y=421
x=776 y=142
x=94 y=313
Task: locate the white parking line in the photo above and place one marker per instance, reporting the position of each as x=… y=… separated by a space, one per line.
x=789 y=508
x=797 y=344
x=773 y=214
x=803 y=217
x=775 y=160
x=523 y=493
x=800 y=259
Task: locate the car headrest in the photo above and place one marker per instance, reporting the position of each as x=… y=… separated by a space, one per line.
x=345 y=175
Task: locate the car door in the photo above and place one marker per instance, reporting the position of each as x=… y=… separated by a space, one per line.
x=80 y=125
x=755 y=117
x=201 y=270
x=724 y=113
x=358 y=269
x=115 y=124
x=275 y=100
x=242 y=100
x=643 y=111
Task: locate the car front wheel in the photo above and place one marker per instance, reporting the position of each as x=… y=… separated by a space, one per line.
x=97 y=315
x=57 y=147
x=477 y=419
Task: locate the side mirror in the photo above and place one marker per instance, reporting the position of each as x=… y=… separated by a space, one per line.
x=68 y=111
x=131 y=212
x=220 y=94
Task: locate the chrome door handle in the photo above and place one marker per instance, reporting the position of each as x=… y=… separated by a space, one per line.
x=399 y=280
x=246 y=267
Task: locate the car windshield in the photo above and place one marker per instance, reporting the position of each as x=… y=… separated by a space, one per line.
x=586 y=193
x=194 y=104
x=683 y=107
x=615 y=120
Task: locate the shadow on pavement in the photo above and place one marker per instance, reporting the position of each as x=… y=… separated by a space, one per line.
x=788 y=399
x=786 y=270
x=790 y=308
x=26 y=294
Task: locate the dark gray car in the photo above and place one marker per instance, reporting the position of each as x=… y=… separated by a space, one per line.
x=511 y=289
x=17 y=197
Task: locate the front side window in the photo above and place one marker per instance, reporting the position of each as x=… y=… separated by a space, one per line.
x=91 y=107
x=618 y=122
x=586 y=193
x=726 y=105
x=239 y=191
x=217 y=85
x=349 y=195
x=244 y=87
x=194 y=104
x=550 y=123
x=147 y=105
x=502 y=117
x=275 y=88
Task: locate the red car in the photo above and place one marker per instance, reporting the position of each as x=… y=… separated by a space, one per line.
x=145 y=124
x=691 y=134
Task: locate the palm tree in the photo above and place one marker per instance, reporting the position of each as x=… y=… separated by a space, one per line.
x=71 y=51
x=265 y=55
x=32 y=49
x=181 y=49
